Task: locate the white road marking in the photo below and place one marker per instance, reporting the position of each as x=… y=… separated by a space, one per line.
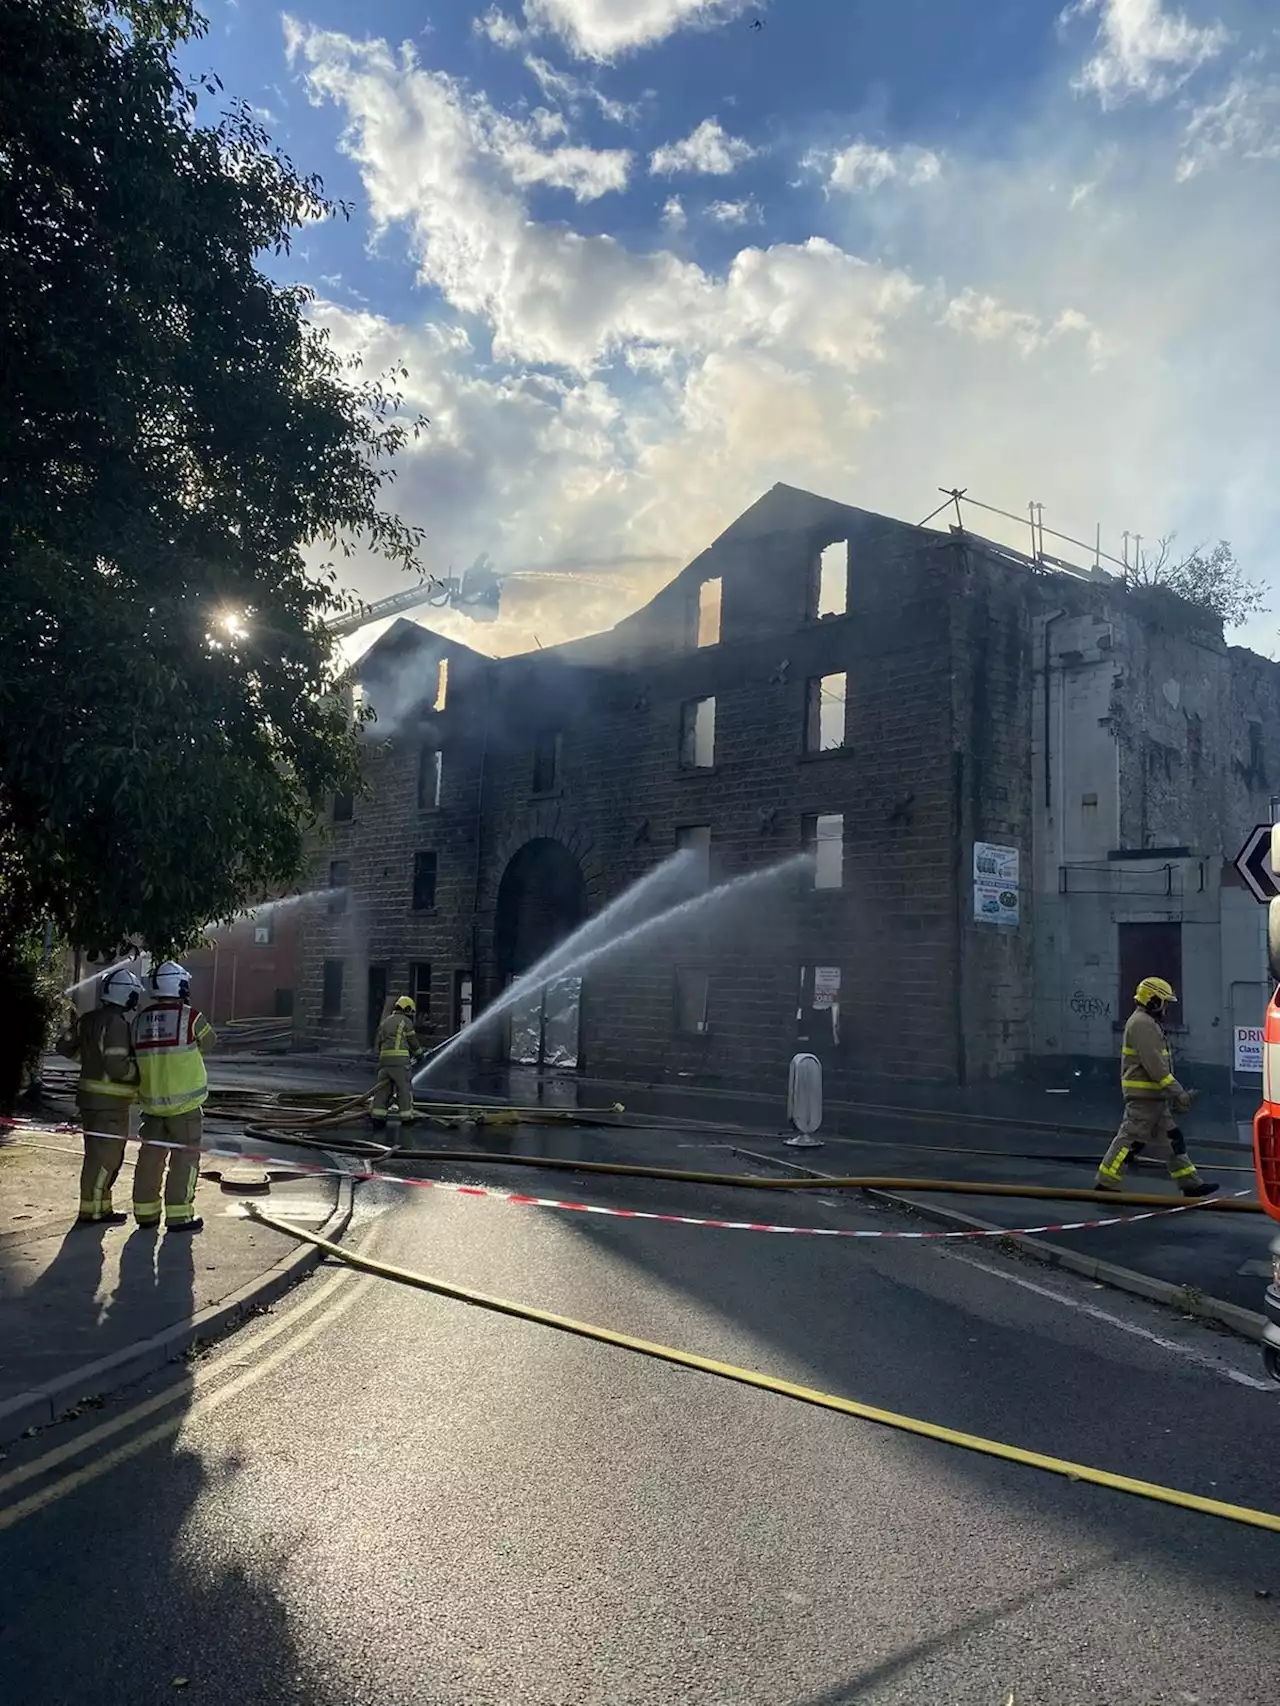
x=1187 y=1352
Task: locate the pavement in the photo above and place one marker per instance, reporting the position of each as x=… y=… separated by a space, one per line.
x=376 y=1497
x=85 y=1310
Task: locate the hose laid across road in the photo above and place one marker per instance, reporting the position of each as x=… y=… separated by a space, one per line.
x=784 y=1388
x=299 y=1118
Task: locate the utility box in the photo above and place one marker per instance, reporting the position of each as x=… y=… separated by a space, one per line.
x=804 y=1101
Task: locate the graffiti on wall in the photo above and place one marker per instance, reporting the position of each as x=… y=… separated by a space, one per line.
x=1089 y=1006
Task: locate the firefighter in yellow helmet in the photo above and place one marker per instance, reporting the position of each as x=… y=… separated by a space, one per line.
x=102 y=1041
x=398 y=1047
x=1152 y=1096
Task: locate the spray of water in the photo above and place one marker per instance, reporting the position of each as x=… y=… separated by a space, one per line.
x=141 y=963
x=269 y=908
x=574 y=955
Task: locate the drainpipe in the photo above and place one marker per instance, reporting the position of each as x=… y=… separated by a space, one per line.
x=475 y=898
x=1048 y=710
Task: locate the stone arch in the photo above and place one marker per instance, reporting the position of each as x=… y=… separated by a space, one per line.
x=542 y=898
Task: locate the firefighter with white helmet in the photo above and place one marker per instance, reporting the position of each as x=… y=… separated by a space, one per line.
x=398 y=1047
x=1152 y=1096
x=102 y=1041
x=172 y=1040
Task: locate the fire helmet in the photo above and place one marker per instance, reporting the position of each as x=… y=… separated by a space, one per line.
x=1154 y=989
x=171 y=981
x=121 y=988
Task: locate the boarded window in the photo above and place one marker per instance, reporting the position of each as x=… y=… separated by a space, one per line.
x=823 y=839
x=698 y=734
x=709 y=597
x=337 y=887
x=692 y=988
x=442 y=685
x=546 y=761
x=344 y=806
x=1149 y=950
x=824 y=719
x=829 y=582
x=695 y=839
x=424 y=881
x=331 y=993
x=430 y=777
x=420 y=989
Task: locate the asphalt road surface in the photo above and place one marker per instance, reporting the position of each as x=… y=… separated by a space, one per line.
x=371 y=1496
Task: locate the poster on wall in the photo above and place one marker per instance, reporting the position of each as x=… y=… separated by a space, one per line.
x=1248 y=1049
x=995 y=885
x=826 y=986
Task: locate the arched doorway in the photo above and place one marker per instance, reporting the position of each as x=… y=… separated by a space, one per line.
x=541 y=900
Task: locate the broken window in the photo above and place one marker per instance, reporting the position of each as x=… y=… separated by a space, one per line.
x=337 y=887
x=331 y=991
x=420 y=989
x=691 y=1001
x=709 y=594
x=698 y=734
x=430 y=777
x=424 y=881
x=442 y=685
x=824 y=720
x=829 y=581
x=823 y=839
x=695 y=839
x=546 y=761
x=462 y=1002
x=344 y=806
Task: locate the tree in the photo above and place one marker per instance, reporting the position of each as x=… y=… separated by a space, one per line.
x=175 y=434
x=1211 y=579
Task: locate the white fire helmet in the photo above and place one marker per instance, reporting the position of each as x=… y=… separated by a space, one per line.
x=171 y=981
x=121 y=988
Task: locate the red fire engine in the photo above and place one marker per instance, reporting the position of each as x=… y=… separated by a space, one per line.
x=1266 y=1126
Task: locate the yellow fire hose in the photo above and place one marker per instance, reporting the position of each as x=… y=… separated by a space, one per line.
x=784 y=1388
x=750 y=1181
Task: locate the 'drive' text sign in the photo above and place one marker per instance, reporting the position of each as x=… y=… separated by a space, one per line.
x=1248 y=1049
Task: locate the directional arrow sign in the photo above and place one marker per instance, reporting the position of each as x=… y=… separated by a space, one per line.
x=1253 y=862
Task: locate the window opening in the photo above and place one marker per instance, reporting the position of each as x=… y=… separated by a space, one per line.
x=698 y=734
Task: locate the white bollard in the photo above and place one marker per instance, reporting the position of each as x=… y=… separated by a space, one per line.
x=804 y=1101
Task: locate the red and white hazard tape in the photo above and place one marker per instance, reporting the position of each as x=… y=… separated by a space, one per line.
x=522 y=1200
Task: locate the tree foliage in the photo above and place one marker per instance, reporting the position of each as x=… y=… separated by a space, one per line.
x=1211 y=579
x=175 y=435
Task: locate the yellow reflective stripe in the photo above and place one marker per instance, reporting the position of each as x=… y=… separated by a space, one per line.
x=109 y=1087
x=148 y=1210
x=394 y=1054
x=181 y=1102
x=1139 y=1084
x=1182 y=1172
x=1166 y=1080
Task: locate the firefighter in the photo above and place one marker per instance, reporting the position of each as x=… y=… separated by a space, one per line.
x=102 y=1041
x=397 y=1044
x=172 y=1040
x=1152 y=1095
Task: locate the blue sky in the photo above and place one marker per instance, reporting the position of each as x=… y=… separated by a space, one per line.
x=643 y=259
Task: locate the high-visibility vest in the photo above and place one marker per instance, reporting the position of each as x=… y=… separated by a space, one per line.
x=1266 y=1122
x=171 y=1071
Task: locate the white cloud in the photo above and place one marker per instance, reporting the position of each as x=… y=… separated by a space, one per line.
x=989 y=320
x=709 y=149
x=587 y=172
x=674 y=216
x=731 y=213
x=603 y=29
x=573 y=91
x=862 y=166
x=592 y=398
x=1143 y=49
x=500 y=29
x=1242 y=122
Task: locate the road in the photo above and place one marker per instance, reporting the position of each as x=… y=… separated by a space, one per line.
x=376 y=1496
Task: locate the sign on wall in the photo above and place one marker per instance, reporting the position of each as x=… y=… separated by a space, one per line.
x=1248 y=1049
x=995 y=885
x=826 y=986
